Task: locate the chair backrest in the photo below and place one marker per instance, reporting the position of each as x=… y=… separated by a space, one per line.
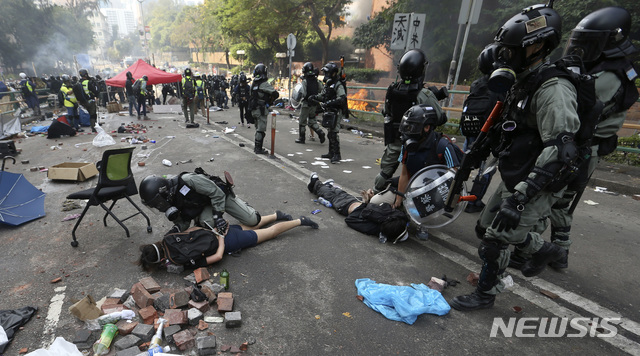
x=115 y=169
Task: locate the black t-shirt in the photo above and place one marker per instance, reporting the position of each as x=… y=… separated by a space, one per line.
x=358 y=223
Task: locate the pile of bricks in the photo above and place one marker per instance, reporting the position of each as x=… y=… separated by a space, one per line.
x=187 y=321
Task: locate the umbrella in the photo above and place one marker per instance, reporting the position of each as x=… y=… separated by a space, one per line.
x=20 y=201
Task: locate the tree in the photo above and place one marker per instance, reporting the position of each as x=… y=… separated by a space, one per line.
x=161 y=18
x=329 y=13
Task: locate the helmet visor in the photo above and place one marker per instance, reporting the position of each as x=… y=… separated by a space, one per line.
x=158 y=202
x=411 y=127
x=587 y=45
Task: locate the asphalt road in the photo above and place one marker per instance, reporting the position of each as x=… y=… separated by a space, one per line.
x=297 y=293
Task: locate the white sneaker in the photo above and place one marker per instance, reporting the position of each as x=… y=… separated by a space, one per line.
x=328 y=181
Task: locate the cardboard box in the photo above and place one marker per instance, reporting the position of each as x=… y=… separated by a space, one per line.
x=113 y=106
x=76 y=171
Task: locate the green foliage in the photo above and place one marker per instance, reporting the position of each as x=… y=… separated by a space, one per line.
x=364 y=75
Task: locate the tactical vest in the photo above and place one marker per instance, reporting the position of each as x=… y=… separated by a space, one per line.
x=519 y=149
x=256 y=96
x=312 y=86
x=426 y=155
x=399 y=98
x=627 y=94
x=190 y=204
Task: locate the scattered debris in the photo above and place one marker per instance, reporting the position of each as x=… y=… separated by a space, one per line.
x=56 y=280
x=517 y=309
x=549 y=294
x=473 y=278
x=590 y=202
x=71 y=217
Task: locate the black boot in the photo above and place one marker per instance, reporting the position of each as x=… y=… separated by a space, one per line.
x=302 y=133
x=258 y=147
x=547 y=253
x=517 y=261
x=321 y=135
x=331 y=147
x=474 y=301
x=336 y=150
x=562 y=262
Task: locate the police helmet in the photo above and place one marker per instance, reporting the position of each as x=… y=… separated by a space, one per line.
x=83 y=73
x=417 y=117
x=603 y=32
x=74 y=79
x=242 y=78
x=536 y=24
x=260 y=71
x=145 y=78
x=308 y=69
x=486 y=59
x=23 y=76
x=66 y=79
x=187 y=72
x=412 y=65
x=154 y=192
x=330 y=70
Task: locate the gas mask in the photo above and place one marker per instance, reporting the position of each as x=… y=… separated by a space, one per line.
x=411 y=141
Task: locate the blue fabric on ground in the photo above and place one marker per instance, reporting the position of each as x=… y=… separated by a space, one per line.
x=402 y=303
x=36 y=129
x=85 y=119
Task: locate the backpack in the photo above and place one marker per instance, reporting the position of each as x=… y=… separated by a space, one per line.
x=189 y=90
x=136 y=86
x=184 y=248
x=477 y=107
x=200 y=90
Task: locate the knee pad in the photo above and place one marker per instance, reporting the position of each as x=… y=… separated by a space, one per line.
x=489 y=251
x=260 y=135
x=480 y=231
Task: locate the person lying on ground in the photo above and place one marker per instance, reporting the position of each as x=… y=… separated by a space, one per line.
x=231 y=239
x=380 y=220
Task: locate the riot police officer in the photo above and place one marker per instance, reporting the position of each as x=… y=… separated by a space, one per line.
x=88 y=100
x=311 y=86
x=261 y=96
x=601 y=39
x=333 y=100
x=400 y=97
x=241 y=92
x=539 y=122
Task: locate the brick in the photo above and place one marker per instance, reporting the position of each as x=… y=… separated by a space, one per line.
x=109 y=303
x=206 y=345
x=150 y=284
x=127 y=342
x=125 y=327
x=143 y=331
x=233 y=319
x=169 y=331
x=113 y=309
x=83 y=339
x=119 y=294
x=202 y=325
x=148 y=314
x=225 y=302
x=175 y=317
x=202 y=306
x=184 y=340
x=178 y=299
x=141 y=296
x=194 y=315
x=201 y=274
x=162 y=302
x=132 y=351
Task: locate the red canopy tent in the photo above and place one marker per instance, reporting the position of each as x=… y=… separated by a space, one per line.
x=140 y=68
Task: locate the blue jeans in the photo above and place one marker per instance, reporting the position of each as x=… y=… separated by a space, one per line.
x=132 y=104
x=73 y=116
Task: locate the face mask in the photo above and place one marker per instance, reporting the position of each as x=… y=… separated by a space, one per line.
x=411 y=142
x=501 y=80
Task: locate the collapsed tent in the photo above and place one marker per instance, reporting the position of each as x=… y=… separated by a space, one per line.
x=60 y=127
x=140 y=68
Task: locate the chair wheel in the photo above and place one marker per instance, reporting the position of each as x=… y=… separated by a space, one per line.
x=74 y=243
x=149 y=229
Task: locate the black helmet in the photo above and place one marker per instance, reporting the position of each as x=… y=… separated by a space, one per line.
x=602 y=32
x=145 y=78
x=66 y=79
x=413 y=122
x=187 y=72
x=74 y=79
x=535 y=24
x=242 y=78
x=486 y=59
x=308 y=69
x=154 y=192
x=330 y=70
x=412 y=65
x=260 y=71
x=83 y=73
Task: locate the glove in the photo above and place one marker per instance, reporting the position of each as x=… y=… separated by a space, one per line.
x=221 y=224
x=509 y=212
x=313 y=99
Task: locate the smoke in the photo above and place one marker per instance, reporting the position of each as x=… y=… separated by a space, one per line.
x=358 y=12
x=55 y=57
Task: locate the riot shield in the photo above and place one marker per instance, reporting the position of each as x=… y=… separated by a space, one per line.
x=297 y=94
x=426 y=195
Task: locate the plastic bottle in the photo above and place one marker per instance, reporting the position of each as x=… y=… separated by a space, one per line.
x=224 y=279
x=157 y=338
x=112 y=318
x=158 y=350
x=325 y=202
x=101 y=347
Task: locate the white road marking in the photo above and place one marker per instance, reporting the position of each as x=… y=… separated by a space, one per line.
x=53 y=316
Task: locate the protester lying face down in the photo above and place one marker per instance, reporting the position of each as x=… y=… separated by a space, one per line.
x=379 y=220
x=227 y=239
